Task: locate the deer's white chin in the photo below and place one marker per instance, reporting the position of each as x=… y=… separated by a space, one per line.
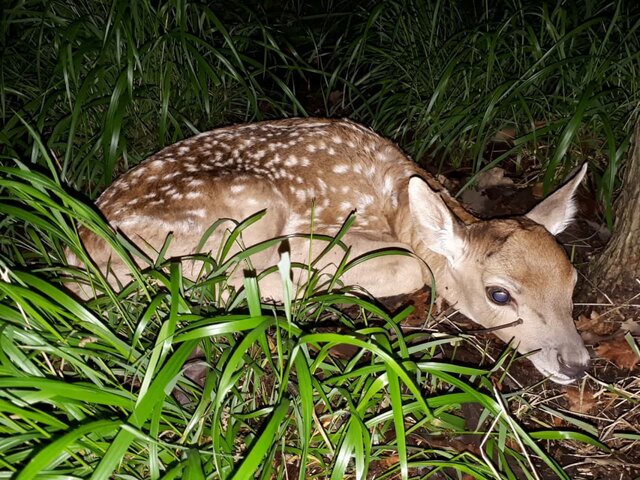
x=558 y=378
x=552 y=375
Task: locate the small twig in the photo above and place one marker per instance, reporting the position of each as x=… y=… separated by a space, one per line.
x=486 y=459
x=505 y=413
x=493 y=329
x=623 y=305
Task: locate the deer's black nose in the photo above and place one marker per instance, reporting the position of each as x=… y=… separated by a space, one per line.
x=571 y=369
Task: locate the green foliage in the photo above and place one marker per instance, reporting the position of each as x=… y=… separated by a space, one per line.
x=99 y=388
x=108 y=83
x=444 y=79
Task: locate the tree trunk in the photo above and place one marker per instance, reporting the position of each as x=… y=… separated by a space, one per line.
x=619 y=264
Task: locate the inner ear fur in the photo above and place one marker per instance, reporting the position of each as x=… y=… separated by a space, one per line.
x=441 y=231
x=558 y=210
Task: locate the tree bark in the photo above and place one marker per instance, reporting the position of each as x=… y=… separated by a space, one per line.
x=619 y=263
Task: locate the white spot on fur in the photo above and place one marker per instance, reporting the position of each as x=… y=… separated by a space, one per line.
x=294 y=224
x=336 y=139
x=311 y=148
x=387 y=185
x=275 y=160
x=237 y=188
x=382 y=156
x=193 y=195
x=200 y=212
x=291 y=161
x=364 y=201
x=371 y=172
x=341 y=168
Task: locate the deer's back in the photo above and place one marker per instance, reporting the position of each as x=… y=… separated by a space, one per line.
x=330 y=166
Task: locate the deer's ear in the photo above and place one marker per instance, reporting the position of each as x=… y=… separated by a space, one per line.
x=556 y=211
x=439 y=228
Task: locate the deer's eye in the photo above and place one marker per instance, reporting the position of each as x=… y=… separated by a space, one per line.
x=498 y=295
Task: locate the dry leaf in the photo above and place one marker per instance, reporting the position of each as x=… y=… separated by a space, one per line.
x=631 y=326
x=557 y=421
x=335 y=97
x=538 y=190
x=506 y=135
x=619 y=352
x=594 y=324
x=493 y=178
x=580 y=400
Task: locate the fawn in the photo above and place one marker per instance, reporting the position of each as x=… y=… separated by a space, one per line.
x=496 y=272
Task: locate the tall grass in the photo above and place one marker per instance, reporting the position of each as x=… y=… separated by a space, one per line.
x=108 y=83
x=445 y=79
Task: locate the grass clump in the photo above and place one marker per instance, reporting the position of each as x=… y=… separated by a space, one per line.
x=449 y=79
x=114 y=82
x=109 y=83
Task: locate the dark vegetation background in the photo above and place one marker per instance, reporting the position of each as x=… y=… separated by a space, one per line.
x=108 y=83
x=90 y=88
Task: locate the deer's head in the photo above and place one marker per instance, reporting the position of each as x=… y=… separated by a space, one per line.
x=513 y=270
